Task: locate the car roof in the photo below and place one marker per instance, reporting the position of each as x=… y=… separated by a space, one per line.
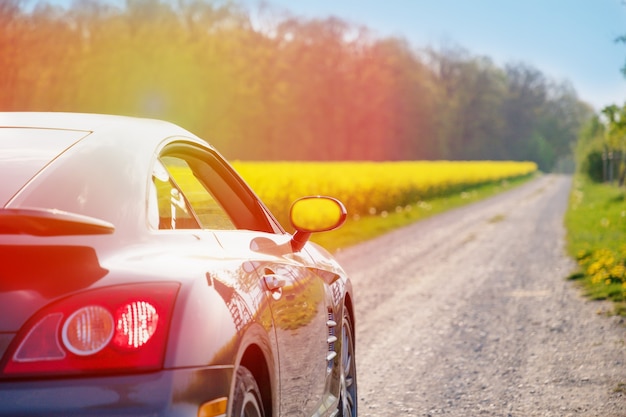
x=83 y=121
x=103 y=173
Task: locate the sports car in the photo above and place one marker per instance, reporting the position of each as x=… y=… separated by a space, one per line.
x=141 y=276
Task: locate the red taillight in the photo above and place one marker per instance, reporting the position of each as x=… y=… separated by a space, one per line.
x=136 y=323
x=122 y=328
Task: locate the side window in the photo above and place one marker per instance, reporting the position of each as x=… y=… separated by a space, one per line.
x=196 y=189
x=173 y=208
x=206 y=208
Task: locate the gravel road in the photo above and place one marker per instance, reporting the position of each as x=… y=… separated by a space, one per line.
x=469 y=313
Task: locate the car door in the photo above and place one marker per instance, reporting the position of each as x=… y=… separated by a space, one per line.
x=300 y=303
x=213 y=197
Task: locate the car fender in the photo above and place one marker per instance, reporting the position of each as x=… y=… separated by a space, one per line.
x=202 y=332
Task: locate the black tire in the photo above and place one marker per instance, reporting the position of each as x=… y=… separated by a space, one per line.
x=247 y=397
x=348 y=394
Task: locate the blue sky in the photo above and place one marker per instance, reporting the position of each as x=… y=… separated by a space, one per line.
x=569 y=40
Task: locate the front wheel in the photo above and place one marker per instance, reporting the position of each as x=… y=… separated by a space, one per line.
x=348 y=394
x=247 y=396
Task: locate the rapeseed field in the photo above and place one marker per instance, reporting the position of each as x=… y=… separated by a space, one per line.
x=372 y=188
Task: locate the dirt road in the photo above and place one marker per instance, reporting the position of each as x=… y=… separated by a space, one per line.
x=469 y=314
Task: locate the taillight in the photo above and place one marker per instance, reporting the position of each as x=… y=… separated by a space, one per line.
x=88 y=330
x=136 y=323
x=114 y=329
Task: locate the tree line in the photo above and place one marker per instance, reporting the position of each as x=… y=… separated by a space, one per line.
x=278 y=87
x=601 y=148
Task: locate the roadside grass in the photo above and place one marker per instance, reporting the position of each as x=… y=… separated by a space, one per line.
x=359 y=229
x=596 y=238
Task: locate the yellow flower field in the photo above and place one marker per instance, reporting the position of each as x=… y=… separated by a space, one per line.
x=371 y=187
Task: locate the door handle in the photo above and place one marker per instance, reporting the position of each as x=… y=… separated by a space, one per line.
x=274 y=282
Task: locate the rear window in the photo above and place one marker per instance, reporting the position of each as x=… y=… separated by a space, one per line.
x=25 y=151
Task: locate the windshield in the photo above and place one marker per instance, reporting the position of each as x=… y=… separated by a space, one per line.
x=25 y=151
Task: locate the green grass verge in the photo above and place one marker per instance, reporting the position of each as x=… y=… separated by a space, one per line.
x=357 y=230
x=596 y=238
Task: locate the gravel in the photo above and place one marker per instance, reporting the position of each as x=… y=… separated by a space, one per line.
x=469 y=313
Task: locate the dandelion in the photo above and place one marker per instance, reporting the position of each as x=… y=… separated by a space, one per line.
x=599 y=277
x=618 y=272
x=594 y=268
x=582 y=255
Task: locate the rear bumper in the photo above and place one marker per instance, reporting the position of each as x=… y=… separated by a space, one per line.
x=166 y=393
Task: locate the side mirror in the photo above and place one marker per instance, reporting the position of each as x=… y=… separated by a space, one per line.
x=314 y=214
